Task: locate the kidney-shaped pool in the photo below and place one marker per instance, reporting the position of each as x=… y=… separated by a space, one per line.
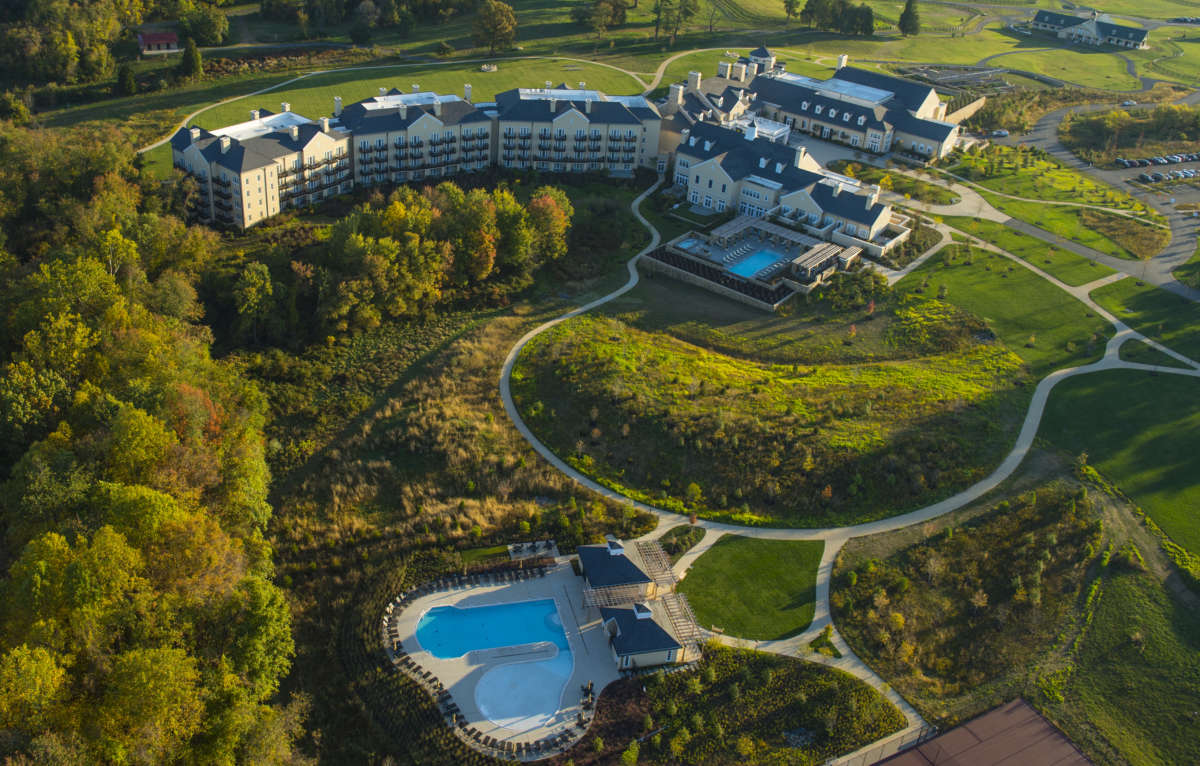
x=518 y=695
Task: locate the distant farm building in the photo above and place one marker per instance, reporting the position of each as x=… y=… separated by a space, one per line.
x=158 y=42
x=1093 y=29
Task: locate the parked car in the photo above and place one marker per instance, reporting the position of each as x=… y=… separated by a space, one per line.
x=1000 y=133
x=1160 y=161
x=1128 y=103
x=1157 y=177
x=1143 y=163
x=1145 y=178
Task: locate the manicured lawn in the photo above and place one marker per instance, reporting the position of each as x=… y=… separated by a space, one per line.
x=1143 y=353
x=1142 y=431
x=1072 y=269
x=1126 y=238
x=1167 y=318
x=1083 y=66
x=1137 y=673
x=756 y=589
x=1189 y=273
x=313 y=96
x=1040 y=322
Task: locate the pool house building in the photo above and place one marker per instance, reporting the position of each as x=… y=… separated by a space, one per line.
x=646 y=621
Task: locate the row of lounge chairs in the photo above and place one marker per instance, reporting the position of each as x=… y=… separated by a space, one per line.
x=738 y=253
x=771 y=270
x=545 y=546
x=546 y=746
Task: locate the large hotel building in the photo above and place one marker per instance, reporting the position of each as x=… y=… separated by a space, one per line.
x=748 y=124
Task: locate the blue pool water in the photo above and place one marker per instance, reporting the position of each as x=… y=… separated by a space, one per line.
x=447 y=631
x=751 y=265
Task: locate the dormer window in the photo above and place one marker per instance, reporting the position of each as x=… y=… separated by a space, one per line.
x=846 y=117
x=833 y=114
x=862 y=121
x=817 y=109
x=804 y=106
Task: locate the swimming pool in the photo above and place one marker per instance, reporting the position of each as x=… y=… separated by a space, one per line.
x=518 y=694
x=448 y=631
x=752 y=264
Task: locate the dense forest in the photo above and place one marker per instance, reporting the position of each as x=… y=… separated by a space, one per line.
x=140 y=619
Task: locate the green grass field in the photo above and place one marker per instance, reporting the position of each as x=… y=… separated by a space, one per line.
x=1167 y=318
x=1143 y=353
x=1147 y=441
x=1090 y=68
x=1106 y=233
x=1046 y=326
x=756 y=589
x=1072 y=269
x=313 y=96
x=1137 y=672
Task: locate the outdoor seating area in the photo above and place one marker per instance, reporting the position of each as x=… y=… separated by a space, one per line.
x=537 y=548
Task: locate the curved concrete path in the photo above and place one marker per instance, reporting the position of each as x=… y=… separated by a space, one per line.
x=835 y=537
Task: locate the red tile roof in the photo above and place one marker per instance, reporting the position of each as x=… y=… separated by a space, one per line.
x=157 y=38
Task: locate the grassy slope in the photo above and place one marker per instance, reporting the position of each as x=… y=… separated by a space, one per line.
x=1018 y=305
x=1147 y=442
x=1063 y=264
x=1156 y=313
x=654 y=381
x=1137 y=673
x=757 y=589
x=1091 y=68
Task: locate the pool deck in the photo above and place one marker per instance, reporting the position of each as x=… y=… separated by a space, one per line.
x=590 y=651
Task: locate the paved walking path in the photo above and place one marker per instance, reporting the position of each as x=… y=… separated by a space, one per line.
x=835 y=537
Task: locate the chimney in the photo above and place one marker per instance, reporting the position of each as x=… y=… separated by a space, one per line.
x=295 y=132
x=842 y=59
x=738 y=72
x=416 y=88
x=225 y=143
x=800 y=153
x=194 y=134
x=254 y=114
x=751 y=131
x=549 y=85
x=404 y=111
x=582 y=85
x=285 y=107
x=722 y=69
x=337 y=106
x=467 y=92
x=693 y=81
x=778 y=167
x=553 y=104
x=587 y=106
x=437 y=107
x=762 y=162
x=382 y=92
x=675 y=95
x=324 y=124
x=752 y=68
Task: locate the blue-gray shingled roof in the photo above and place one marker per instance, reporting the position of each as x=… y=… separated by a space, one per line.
x=512 y=107
x=739 y=157
x=636 y=636
x=1120 y=32
x=909 y=94
x=790 y=95
x=1057 y=19
x=358 y=119
x=602 y=569
x=933 y=130
x=761 y=52
x=848 y=205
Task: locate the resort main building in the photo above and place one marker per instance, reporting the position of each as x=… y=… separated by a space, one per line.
x=274 y=161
